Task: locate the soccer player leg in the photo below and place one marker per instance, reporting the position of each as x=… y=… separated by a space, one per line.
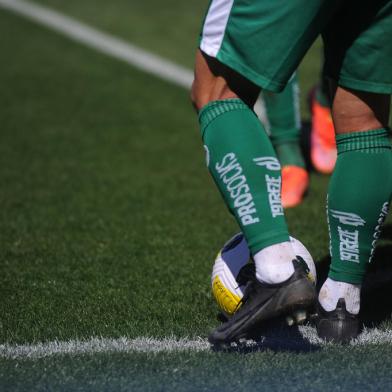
x=285 y=131
x=361 y=185
x=358 y=199
x=243 y=164
x=237 y=53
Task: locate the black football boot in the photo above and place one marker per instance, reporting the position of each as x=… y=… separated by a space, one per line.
x=264 y=301
x=339 y=325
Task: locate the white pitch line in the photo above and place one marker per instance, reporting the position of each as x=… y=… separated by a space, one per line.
x=110 y=45
x=307 y=337
x=102 y=42
x=101 y=345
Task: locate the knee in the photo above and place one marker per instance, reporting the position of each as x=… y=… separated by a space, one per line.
x=202 y=94
x=214 y=81
x=355 y=110
x=214 y=89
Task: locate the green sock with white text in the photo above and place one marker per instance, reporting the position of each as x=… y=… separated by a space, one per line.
x=244 y=166
x=358 y=199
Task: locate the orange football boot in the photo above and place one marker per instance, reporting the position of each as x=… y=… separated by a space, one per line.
x=322 y=140
x=295 y=182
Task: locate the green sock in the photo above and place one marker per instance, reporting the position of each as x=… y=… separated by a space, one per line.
x=244 y=166
x=359 y=194
x=290 y=154
x=285 y=123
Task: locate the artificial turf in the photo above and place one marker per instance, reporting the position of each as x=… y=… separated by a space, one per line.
x=110 y=219
x=332 y=369
x=103 y=189
x=110 y=222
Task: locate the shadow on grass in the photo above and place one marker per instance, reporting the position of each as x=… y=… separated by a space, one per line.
x=275 y=336
x=376 y=298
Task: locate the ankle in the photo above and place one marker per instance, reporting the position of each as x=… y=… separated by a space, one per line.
x=274 y=264
x=333 y=290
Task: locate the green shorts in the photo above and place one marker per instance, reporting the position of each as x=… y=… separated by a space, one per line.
x=266 y=40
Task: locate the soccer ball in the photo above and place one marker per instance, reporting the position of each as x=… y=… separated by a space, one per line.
x=233 y=265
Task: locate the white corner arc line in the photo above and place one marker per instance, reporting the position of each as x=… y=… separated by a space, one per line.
x=97 y=345
x=102 y=42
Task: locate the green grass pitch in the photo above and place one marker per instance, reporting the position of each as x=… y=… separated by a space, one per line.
x=109 y=221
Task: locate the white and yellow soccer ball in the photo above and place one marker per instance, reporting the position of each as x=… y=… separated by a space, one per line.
x=227 y=289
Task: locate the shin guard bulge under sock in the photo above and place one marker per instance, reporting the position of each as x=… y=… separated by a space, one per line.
x=244 y=166
x=358 y=199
